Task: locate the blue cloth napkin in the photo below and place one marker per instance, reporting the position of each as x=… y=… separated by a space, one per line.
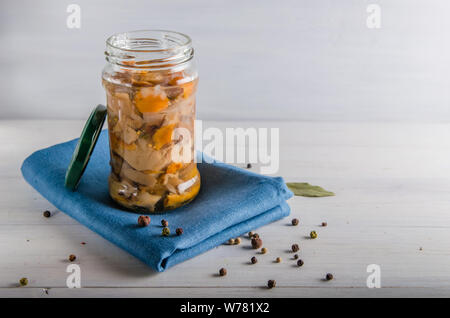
x=232 y=201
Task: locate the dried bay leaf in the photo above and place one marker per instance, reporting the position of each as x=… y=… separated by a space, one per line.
x=306 y=190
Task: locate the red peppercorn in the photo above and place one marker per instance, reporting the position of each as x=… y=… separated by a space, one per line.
x=164 y=223
x=179 y=231
x=143 y=220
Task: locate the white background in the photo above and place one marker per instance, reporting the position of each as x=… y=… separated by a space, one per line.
x=258 y=59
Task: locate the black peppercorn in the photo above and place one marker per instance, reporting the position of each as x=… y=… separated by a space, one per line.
x=324 y=224
x=300 y=262
x=143 y=220
x=295 y=222
x=72 y=257
x=164 y=223
x=222 y=272
x=256 y=243
x=249 y=165
x=254 y=260
x=295 y=248
x=47 y=214
x=179 y=231
x=271 y=283
x=329 y=276
x=296 y=256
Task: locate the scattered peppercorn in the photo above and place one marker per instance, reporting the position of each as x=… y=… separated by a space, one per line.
x=324 y=224
x=23 y=281
x=250 y=234
x=179 y=231
x=165 y=231
x=300 y=262
x=278 y=260
x=255 y=235
x=256 y=243
x=237 y=241
x=263 y=250
x=295 y=248
x=83 y=243
x=295 y=222
x=222 y=272
x=313 y=234
x=231 y=241
x=47 y=214
x=72 y=257
x=143 y=220
x=329 y=276
x=249 y=165
x=296 y=256
x=254 y=260
x=164 y=223
x=271 y=283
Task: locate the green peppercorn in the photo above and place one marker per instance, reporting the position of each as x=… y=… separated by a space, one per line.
x=23 y=281
x=165 y=231
x=313 y=234
x=271 y=284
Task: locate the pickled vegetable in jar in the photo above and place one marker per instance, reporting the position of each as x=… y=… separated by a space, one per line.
x=150 y=82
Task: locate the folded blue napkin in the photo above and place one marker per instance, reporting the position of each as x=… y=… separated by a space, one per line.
x=232 y=201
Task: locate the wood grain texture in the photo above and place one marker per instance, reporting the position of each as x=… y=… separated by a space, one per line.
x=392 y=185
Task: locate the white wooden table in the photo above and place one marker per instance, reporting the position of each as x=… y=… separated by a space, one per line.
x=392 y=208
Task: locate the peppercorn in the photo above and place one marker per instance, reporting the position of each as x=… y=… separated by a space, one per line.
x=295 y=248
x=250 y=234
x=179 y=231
x=143 y=220
x=324 y=224
x=23 y=281
x=263 y=250
x=222 y=272
x=83 y=243
x=255 y=235
x=165 y=231
x=47 y=214
x=278 y=260
x=300 y=262
x=313 y=234
x=295 y=222
x=296 y=256
x=254 y=260
x=72 y=257
x=329 y=276
x=237 y=241
x=164 y=223
x=231 y=241
x=256 y=243
x=271 y=284
x=249 y=165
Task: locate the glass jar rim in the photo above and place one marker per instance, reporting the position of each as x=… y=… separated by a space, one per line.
x=147 y=35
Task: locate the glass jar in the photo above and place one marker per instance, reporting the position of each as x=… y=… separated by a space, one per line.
x=150 y=82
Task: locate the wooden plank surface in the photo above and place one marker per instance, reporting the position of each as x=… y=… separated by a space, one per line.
x=392 y=184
